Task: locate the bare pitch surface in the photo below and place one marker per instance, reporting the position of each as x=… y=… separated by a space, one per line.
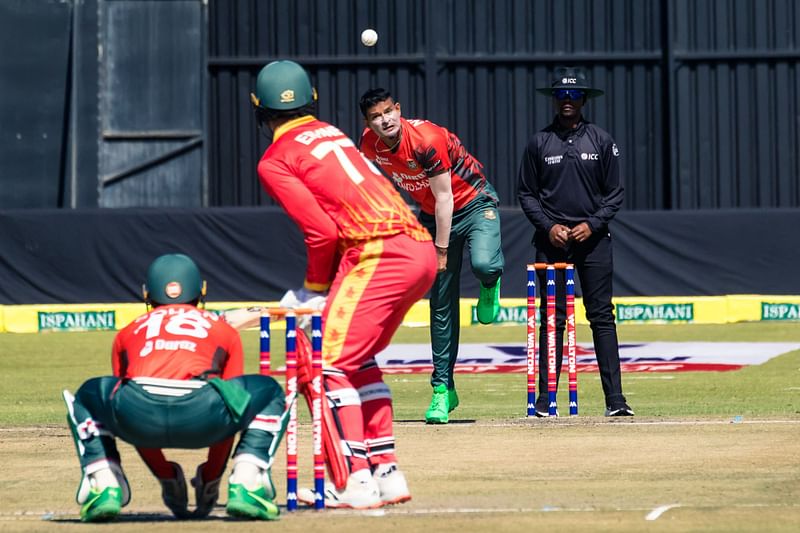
x=503 y=475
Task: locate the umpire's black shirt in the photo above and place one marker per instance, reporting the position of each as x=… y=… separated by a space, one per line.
x=570 y=176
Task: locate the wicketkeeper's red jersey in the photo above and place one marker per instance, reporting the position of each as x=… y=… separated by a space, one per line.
x=425 y=150
x=177 y=342
x=336 y=197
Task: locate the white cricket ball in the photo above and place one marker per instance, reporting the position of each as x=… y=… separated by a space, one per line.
x=369 y=37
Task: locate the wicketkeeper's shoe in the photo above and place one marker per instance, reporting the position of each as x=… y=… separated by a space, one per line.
x=206 y=493
x=255 y=504
x=102 y=505
x=452 y=399
x=488 y=303
x=361 y=492
x=619 y=409
x=251 y=493
x=103 y=491
x=173 y=492
x=437 y=412
x=391 y=483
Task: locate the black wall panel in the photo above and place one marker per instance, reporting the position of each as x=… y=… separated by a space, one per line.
x=145 y=103
x=35 y=40
x=151 y=103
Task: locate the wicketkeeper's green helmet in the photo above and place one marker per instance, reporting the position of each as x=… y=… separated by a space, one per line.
x=173 y=279
x=283 y=86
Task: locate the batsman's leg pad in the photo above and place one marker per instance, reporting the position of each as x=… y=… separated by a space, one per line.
x=376 y=406
x=337 y=450
x=303 y=344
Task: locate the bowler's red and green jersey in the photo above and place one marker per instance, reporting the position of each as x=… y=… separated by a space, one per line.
x=177 y=342
x=426 y=149
x=336 y=197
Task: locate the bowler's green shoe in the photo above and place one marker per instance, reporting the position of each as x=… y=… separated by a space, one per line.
x=452 y=399
x=102 y=505
x=437 y=412
x=488 y=303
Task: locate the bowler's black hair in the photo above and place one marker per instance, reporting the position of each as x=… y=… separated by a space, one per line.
x=372 y=97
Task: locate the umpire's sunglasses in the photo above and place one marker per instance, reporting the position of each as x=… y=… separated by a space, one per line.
x=572 y=94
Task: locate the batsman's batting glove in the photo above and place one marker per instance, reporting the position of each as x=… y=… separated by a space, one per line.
x=303 y=298
x=306 y=299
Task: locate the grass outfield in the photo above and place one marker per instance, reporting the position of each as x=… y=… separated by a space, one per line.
x=36 y=367
x=707 y=451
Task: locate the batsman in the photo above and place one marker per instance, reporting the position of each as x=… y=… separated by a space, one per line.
x=177 y=383
x=366 y=253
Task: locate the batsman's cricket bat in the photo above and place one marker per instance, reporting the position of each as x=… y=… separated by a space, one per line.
x=249 y=317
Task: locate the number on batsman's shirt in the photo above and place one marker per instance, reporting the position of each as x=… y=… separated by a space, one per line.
x=334 y=195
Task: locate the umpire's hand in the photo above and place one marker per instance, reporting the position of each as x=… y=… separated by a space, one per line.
x=559 y=235
x=581 y=232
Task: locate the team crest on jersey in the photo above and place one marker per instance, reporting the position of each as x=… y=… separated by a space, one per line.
x=412 y=164
x=173 y=289
x=489 y=214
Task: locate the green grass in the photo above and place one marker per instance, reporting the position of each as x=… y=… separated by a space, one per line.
x=36 y=367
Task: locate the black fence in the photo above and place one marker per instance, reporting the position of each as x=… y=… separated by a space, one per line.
x=140 y=103
x=255 y=254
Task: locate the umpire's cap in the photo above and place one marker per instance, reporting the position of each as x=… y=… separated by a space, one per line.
x=283 y=86
x=173 y=279
x=570 y=78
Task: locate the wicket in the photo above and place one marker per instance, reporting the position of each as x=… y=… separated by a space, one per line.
x=291 y=397
x=552 y=378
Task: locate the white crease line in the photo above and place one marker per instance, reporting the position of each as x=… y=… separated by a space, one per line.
x=658 y=511
x=584 y=421
x=591 y=421
x=161 y=513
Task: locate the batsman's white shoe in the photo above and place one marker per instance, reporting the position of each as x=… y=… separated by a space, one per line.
x=361 y=492
x=391 y=483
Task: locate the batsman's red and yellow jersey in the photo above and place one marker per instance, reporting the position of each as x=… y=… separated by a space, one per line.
x=336 y=197
x=426 y=149
x=177 y=342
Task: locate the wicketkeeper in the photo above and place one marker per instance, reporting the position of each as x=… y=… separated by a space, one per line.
x=177 y=383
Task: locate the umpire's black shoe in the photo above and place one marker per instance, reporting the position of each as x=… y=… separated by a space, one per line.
x=619 y=409
x=541 y=410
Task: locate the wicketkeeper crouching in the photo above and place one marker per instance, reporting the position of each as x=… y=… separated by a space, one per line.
x=177 y=383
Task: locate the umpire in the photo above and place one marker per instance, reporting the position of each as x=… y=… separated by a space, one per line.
x=570 y=188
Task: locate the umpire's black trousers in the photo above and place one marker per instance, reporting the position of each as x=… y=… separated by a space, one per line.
x=595 y=266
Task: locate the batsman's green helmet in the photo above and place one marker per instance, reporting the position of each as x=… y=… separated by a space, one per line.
x=283 y=86
x=173 y=279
